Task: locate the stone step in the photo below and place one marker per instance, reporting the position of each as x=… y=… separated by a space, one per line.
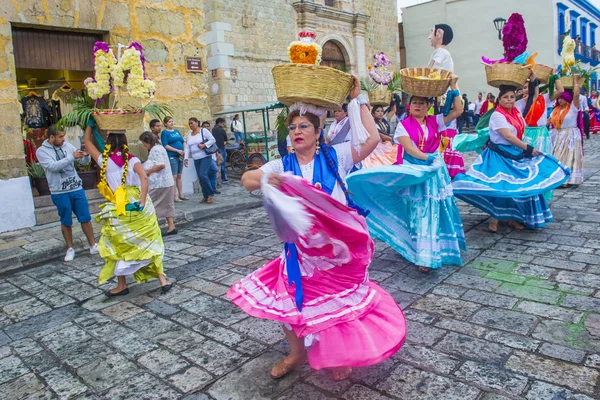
x=49 y=214
x=46 y=201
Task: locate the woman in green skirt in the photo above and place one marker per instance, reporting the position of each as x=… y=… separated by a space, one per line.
x=131 y=242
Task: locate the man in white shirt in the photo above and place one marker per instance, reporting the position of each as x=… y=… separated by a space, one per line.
x=441 y=35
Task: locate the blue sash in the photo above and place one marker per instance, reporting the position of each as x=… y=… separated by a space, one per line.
x=327 y=179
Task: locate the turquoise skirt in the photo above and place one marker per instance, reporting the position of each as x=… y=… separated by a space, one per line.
x=510 y=189
x=413 y=210
x=539 y=137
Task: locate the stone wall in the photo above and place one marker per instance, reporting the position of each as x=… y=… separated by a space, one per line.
x=169 y=30
x=259 y=32
x=382 y=29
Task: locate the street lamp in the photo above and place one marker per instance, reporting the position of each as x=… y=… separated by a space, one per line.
x=499 y=24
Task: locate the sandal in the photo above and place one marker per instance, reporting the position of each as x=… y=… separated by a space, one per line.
x=283 y=368
x=184 y=198
x=210 y=199
x=516 y=225
x=203 y=200
x=424 y=270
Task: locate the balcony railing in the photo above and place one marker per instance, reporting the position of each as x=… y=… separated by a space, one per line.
x=585 y=53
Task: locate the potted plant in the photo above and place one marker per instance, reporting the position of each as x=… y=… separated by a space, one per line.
x=38 y=178
x=87 y=173
x=383 y=82
x=102 y=97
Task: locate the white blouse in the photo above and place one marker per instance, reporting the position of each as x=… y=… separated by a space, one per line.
x=499 y=121
x=114 y=173
x=345 y=162
x=401 y=130
x=570 y=120
x=164 y=177
x=192 y=149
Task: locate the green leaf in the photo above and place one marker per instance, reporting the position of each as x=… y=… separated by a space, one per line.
x=35 y=170
x=395 y=83
x=368 y=84
x=280 y=124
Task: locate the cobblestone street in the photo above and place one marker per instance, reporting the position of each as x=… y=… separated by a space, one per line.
x=521 y=319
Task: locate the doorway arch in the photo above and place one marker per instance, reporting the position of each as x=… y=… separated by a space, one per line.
x=333 y=56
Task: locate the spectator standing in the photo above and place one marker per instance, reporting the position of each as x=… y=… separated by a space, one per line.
x=198 y=140
x=237 y=128
x=58 y=158
x=472 y=113
x=174 y=143
x=464 y=118
x=585 y=110
x=215 y=158
x=221 y=138
x=478 y=105
x=161 y=184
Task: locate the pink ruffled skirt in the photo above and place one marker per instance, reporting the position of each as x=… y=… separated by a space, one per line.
x=346 y=319
x=453 y=159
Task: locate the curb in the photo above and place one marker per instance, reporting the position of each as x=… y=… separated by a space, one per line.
x=17 y=259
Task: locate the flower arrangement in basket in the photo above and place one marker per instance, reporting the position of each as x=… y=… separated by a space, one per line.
x=305 y=81
x=514 y=69
x=112 y=77
x=570 y=67
x=383 y=82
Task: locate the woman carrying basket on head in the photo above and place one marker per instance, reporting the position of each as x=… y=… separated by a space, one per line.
x=131 y=241
x=533 y=108
x=319 y=289
x=412 y=206
x=567 y=132
x=508 y=180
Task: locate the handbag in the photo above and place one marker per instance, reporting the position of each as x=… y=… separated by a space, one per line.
x=209 y=150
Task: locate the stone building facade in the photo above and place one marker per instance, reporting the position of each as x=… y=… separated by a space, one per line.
x=238 y=42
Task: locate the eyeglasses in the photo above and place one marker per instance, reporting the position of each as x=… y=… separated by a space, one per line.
x=302 y=127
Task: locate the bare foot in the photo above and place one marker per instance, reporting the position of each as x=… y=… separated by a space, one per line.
x=287 y=365
x=163 y=280
x=516 y=225
x=493 y=226
x=341 y=373
x=424 y=270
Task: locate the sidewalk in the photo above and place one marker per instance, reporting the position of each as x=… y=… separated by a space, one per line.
x=31 y=246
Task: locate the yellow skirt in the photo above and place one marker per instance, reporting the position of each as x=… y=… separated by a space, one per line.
x=130 y=243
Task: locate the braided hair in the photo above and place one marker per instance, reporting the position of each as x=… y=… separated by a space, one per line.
x=116 y=143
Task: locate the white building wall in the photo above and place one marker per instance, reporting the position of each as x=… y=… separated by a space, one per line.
x=16 y=204
x=475 y=35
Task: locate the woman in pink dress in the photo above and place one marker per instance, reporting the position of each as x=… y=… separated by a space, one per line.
x=319 y=288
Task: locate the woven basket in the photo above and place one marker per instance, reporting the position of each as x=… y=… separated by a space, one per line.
x=118 y=120
x=313 y=84
x=414 y=85
x=511 y=74
x=542 y=72
x=380 y=97
x=568 y=81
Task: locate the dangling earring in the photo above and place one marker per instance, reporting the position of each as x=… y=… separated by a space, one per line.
x=318 y=144
x=293 y=150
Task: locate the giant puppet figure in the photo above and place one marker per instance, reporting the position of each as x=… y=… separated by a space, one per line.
x=441 y=35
